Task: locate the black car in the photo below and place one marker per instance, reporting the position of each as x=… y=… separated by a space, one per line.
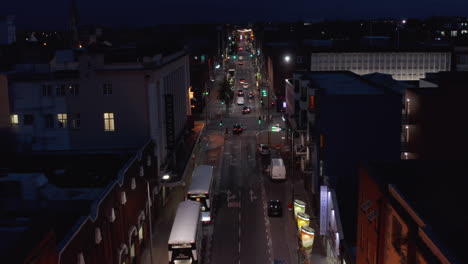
x=274 y=208
x=251 y=95
x=237 y=129
x=240 y=93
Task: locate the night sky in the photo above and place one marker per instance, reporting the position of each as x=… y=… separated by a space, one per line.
x=54 y=13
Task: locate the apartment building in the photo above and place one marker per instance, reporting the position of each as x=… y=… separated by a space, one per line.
x=348 y=120
x=432 y=126
x=103 y=99
x=400 y=212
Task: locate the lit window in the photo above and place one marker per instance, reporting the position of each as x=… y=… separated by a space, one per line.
x=109 y=122
x=14 y=119
x=62 y=120
x=140 y=233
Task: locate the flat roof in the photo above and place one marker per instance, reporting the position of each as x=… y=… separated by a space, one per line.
x=342 y=83
x=277 y=162
x=186 y=221
x=201 y=179
x=436 y=191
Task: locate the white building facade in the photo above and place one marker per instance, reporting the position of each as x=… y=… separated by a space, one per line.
x=406 y=66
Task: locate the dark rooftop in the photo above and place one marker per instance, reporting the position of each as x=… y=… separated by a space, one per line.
x=75 y=171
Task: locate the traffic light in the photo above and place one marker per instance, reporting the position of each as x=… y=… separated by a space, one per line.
x=235 y=57
x=222 y=102
x=259 y=120
x=220 y=122
x=251 y=55
x=264 y=93
x=205 y=93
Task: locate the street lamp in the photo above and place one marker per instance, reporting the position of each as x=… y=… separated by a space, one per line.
x=166 y=176
x=287 y=58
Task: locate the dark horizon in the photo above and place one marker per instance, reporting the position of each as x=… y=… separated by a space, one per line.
x=141 y=14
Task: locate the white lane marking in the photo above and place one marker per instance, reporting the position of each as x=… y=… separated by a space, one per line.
x=267 y=221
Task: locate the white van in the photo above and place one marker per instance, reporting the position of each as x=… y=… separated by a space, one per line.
x=240 y=100
x=277 y=170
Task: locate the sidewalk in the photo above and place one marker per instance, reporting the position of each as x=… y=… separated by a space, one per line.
x=164 y=218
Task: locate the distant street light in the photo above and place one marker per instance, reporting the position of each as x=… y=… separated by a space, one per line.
x=287 y=58
x=166 y=176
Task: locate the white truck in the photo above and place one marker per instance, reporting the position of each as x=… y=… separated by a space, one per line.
x=277 y=169
x=240 y=100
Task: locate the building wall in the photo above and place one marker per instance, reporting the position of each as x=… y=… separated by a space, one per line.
x=435 y=130
x=127 y=102
x=351 y=129
x=401 y=65
x=7 y=30
x=137 y=103
x=370 y=219
x=173 y=79
x=27 y=99
x=118 y=235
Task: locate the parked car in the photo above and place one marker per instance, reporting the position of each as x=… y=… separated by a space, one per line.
x=274 y=208
x=263 y=149
x=237 y=129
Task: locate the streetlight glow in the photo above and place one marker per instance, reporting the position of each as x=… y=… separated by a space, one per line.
x=287 y=58
x=166 y=176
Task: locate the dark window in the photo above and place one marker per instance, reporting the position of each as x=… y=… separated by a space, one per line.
x=107 y=89
x=60 y=91
x=46 y=90
x=28 y=119
x=49 y=121
x=299 y=59
x=76 y=121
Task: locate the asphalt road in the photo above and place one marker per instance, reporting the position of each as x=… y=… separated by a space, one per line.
x=242 y=232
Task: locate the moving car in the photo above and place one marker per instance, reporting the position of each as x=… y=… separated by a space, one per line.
x=246 y=110
x=263 y=149
x=241 y=81
x=241 y=63
x=274 y=208
x=277 y=170
x=240 y=93
x=237 y=129
x=251 y=95
x=240 y=100
x=245 y=85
